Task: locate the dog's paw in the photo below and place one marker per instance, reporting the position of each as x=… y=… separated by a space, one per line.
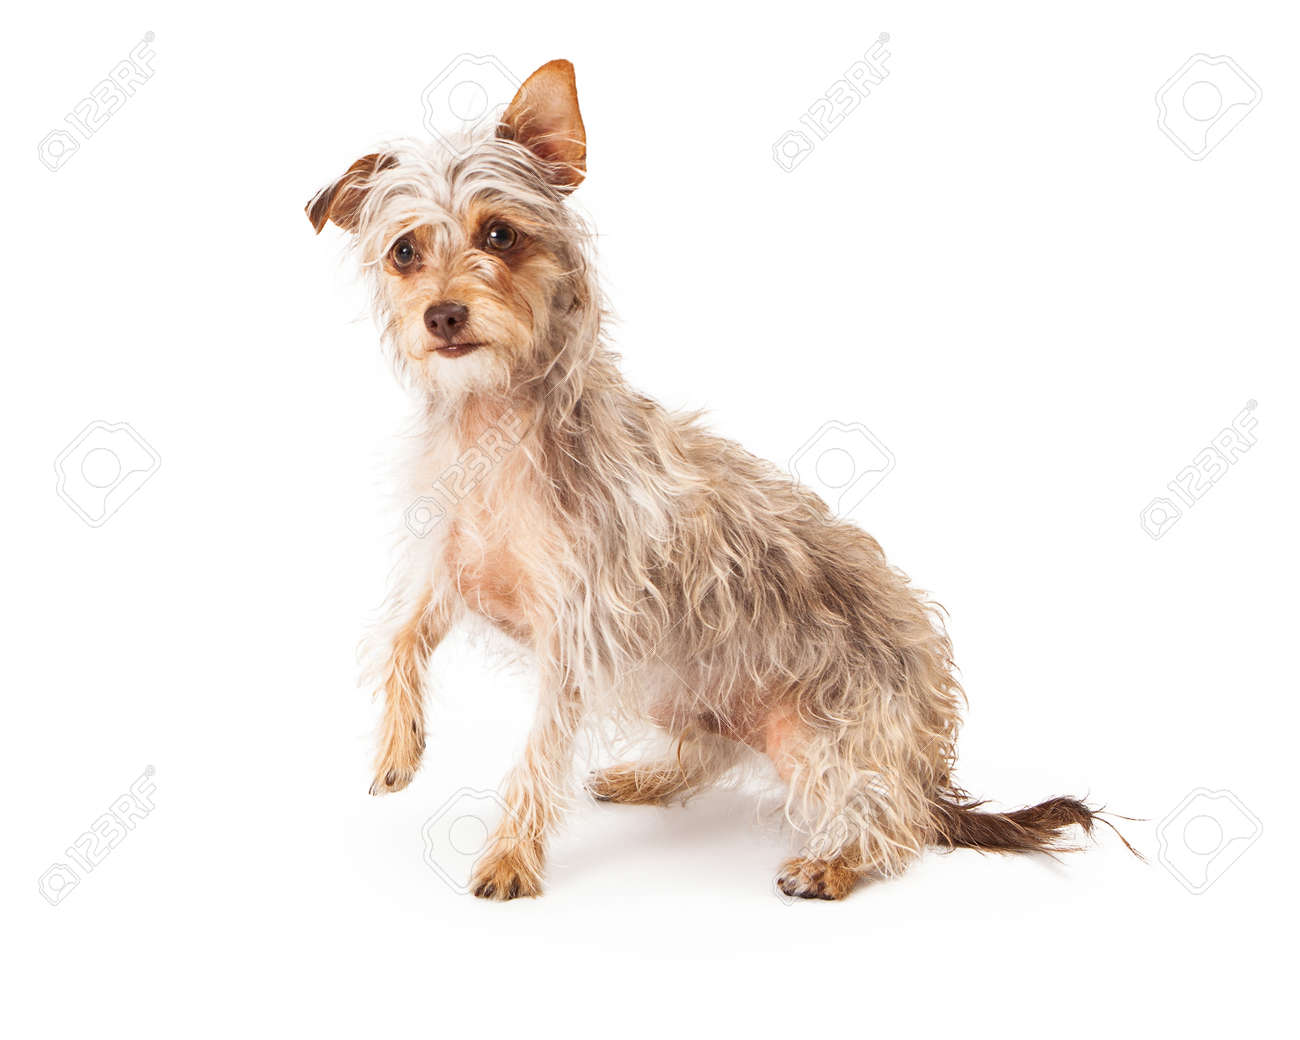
x=634 y=785
x=507 y=875
x=805 y=878
x=607 y=785
x=392 y=779
x=399 y=760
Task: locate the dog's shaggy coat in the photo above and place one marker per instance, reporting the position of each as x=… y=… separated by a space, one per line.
x=657 y=571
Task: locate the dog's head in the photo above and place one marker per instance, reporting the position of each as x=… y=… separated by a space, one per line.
x=479 y=268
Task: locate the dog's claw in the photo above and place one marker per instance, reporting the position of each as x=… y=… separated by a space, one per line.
x=488 y=890
x=816 y=879
x=803 y=889
x=394 y=779
x=596 y=789
x=504 y=876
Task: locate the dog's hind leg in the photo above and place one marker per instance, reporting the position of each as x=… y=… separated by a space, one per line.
x=857 y=797
x=699 y=758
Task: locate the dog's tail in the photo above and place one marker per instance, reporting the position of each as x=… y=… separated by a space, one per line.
x=959 y=824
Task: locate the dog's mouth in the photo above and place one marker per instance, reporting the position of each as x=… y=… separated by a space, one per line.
x=458 y=349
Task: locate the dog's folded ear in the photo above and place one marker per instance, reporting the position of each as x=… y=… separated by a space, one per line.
x=341 y=201
x=544 y=118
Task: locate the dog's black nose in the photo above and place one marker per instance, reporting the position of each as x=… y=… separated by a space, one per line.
x=444 y=320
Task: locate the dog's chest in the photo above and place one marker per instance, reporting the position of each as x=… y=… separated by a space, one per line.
x=488 y=577
x=493 y=546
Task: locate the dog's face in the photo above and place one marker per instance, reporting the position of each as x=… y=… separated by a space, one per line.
x=476 y=261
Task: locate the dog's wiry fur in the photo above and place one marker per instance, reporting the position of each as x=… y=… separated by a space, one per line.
x=658 y=572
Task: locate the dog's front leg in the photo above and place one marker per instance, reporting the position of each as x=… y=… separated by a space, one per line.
x=401 y=738
x=535 y=795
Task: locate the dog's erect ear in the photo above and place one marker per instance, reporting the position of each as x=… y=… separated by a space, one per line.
x=341 y=201
x=544 y=118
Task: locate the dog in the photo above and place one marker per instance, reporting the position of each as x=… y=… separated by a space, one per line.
x=659 y=574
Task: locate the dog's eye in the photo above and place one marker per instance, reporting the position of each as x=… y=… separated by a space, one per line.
x=501 y=236
x=403 y=253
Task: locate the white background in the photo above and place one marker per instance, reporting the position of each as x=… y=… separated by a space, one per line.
x=997 y=263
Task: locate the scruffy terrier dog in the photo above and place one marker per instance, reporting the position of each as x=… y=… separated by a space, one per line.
x=659 y=573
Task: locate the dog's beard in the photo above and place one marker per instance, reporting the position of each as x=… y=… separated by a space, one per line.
x=490 y=368
x=484 y=370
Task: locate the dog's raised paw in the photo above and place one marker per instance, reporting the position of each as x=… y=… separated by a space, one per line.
x=400 y=755
x=806 y=878
x=394 y=778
